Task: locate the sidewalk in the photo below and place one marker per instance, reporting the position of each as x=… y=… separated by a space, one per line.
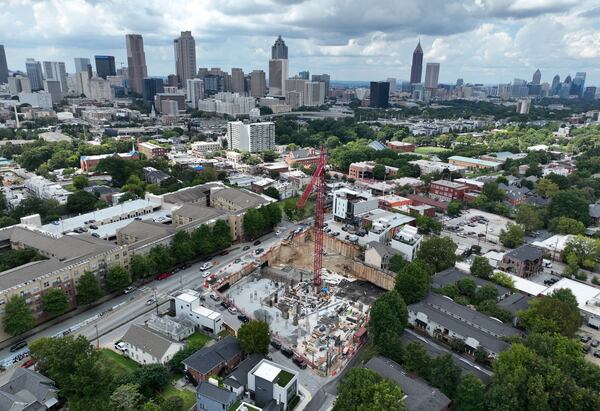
x=306 y=397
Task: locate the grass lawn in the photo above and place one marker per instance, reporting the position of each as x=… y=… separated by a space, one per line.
x=117 y=362
x=198 y=340
x=431 y=150
x=189 y=398
x=224 y=334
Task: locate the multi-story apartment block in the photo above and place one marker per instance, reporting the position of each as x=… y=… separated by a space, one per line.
x=253 y=137
x=151 y=150
x=447 y=190
x=46 y=189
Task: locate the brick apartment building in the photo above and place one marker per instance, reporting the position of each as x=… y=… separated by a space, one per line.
x=447 y=190
x=401 y=147
x=151 y=150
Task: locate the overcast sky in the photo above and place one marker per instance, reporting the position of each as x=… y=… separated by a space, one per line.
x=487 y=41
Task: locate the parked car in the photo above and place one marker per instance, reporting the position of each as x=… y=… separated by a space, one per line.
x=151 y=301
x=96 y=235
x=259 y=250
x=299 y=362
x=246 y=248
x=121 y=346
x=595 y=343
x=225 y=252
x=597 y=353
x=232 y=310
x=164 y=275
x=128 y=290
x=237 y=260
x=585 y=348
x=224 y=304
x=206 y=266
x=93 y=226
x=206 y=274
x=27 y=363
x=335 y=234
x=276 y=344
x=287 y=352
x=257 y=242
x=18 y=345
x=278 y=232
x=245 y=319
x=215 y=297
x=585 y=338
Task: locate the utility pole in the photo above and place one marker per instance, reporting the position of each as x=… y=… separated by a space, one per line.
x=156 y=301
x=97 y=337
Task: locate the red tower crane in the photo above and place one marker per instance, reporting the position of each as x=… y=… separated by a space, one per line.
x=317 y=182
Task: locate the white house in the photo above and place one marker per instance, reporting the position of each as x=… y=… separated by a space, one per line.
x=144 y=346
x=407 y=241
x=270 y=381
x=187 y=305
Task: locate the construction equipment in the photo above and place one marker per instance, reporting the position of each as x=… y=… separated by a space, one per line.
x=317 y=182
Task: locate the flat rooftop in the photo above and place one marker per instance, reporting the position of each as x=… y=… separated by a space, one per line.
x=206 y=312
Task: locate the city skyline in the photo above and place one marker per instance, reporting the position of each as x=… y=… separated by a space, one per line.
x=481 y=41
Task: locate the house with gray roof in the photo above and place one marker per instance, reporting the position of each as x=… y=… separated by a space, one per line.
x=441 y=318
x=191 y=212
x=452 y=276
x=213 y=398
x=221 y=357
x=419 y=395
x=145 y=346
x=237 y=380
x=595 y=213
x=22 y=389
x=378 y=255
x=524 y=261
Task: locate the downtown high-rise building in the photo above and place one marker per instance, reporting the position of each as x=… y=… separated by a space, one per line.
x=279 y=51
x=432 y=74
x=35 y=74
x=537 y=77
x=237 y=81
x=258 y=83
x=278 y=73
x=195 y=91
x=185 y=57
x=136 y=62
x=152 y=86
x=380 y=94
x=56 y=71
x=304 y=75
x=3 y=66
x=578 y=86
x=323 y=78
x=555 y=85
x=81 y=64
x=105 y=66
x=416 y=69
x=253 y=137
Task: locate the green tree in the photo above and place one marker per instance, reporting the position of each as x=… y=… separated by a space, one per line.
x=254 y=223
x=80 y=182
x=555 y=313
x=6 y=221
x=529 y=218
x=81 y=202
x=493 y=192
x=363 y=389
x=162 y=258
x=388 y=315
x=182 y=246
x=253 y=337
x=397 y=262
x=416 y=360
x=273 y=193
x=379 y=172
x=203 y=240
x=150 y=406
x=269 y=155
x=152 y=378
x=412 y=282
x=467 y=287
x=481 y=268
x=140 y=266
x=88 y=289
x=547 y=188
x=174 y=403
x=17 y=316
x=470 y=394
x=512 y=237
x=438 y=253
x=222 y=235
x=444 y=374
x=55 y=302
x=570 y=203
x=126 y=397
x=454 y=208
x=586 y=251
x=176 y=362
x=566 y=225
x=117 y=279
x=486 y=292
x=72 y=362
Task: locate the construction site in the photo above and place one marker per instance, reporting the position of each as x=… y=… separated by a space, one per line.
x=324 y=324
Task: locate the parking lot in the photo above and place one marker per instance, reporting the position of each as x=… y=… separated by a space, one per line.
x=594 y=339
x=478 y=224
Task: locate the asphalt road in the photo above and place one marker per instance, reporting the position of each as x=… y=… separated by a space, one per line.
x=125 y=309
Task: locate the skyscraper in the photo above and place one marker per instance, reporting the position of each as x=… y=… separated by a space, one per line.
x=34 y=72
x=304 y=75
x=392 y=82
x=195 y=91
x=258 y=83
x=136 y=62
x=380 y=94
x=323 y=78
x=55 y=71
x=185 y=57
x=254 y=137
x=537 y=77
x=152 y=86
x=105 y=66
x=81 y=64
x=278 y=73
x=578 y=84
x=237 y=81
x=555 y=85
x=3 y=66
x=432 y=74
x=416 y=69
x=279 y=51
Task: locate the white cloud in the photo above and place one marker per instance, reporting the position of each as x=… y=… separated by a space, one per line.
x=480 y=40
